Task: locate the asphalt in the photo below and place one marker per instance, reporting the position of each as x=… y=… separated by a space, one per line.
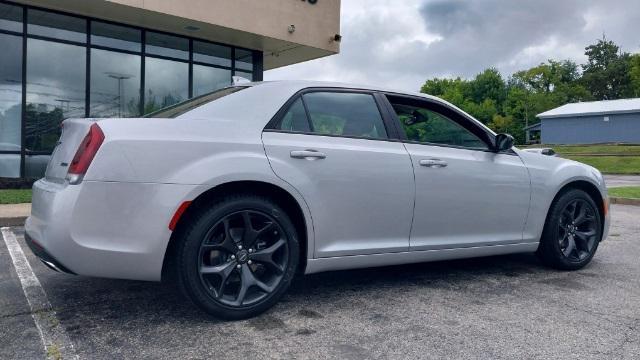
x=490 y=308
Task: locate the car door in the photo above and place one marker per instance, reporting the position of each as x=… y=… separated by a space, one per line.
x=466 y=194
x=333 y=146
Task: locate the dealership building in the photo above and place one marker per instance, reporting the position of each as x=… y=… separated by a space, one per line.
x=125 y=58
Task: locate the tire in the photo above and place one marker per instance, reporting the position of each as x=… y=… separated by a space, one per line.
x=231 y=272
x=572 y=231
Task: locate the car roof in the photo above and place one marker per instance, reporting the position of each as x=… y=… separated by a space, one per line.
x=304 y=84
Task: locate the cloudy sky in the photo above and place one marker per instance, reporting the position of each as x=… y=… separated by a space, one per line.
x=400 y=44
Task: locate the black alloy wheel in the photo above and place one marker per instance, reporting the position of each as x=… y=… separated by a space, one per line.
x=237 y=257
x=572 y=231
x=577 y=230
x=243 y=257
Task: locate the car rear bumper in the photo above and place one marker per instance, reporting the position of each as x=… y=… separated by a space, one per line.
x=45 y=257
x=104 y=229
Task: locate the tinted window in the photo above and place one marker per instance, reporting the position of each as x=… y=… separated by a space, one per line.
x=10 y=17
x=167 y=45
x=56 y=26
x=296 y=118
x=55 y=90
x=115 y=84
x=428 y=126
x=347 y=114
x=114 y=36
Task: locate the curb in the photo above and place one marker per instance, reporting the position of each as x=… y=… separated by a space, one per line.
x=624 y=201
x=12 y=221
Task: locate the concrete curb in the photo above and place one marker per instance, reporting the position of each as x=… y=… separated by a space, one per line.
x=12 y=221
x=624 y=201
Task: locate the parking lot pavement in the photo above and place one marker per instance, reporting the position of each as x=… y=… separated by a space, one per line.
x=496 y=307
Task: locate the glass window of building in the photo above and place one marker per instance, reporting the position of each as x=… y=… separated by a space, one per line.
x=57 y=26
x=10 y=104
x=167 y=45
x=10 y=17
x=115 y=36
x=244 y=74
x=115 y=84
x=211 y=54
x=55 y=90
x=166 y=83
x=207 y=79
x=244 y=60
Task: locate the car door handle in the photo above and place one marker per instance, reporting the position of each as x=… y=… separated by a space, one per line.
x=307 y=154
x=434 y=163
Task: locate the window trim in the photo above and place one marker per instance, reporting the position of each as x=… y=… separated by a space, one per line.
x=275 y=122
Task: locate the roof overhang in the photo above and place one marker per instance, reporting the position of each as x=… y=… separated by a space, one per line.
x=256 y=25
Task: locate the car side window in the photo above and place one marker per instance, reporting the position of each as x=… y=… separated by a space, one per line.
x=429 y=126
x=295 y=118
x=345 y=114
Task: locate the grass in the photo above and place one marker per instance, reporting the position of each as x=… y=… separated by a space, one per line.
x=612 y=159
x=15 y=196
x=610 y=164
x=598 y=149
x=629 y=192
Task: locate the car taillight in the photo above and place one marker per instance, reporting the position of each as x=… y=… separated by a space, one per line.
x=85 y=154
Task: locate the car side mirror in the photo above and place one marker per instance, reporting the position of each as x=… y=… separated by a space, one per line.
x=503 y=142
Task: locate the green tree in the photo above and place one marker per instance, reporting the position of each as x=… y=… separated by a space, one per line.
x=634 y=72
x=607 y=72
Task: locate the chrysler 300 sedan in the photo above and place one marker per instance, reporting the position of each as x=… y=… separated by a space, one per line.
x=232 y=193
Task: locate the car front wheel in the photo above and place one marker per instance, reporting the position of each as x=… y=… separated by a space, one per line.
x=238 y=257
x=572 y=232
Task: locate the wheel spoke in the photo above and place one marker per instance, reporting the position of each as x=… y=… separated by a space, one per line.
x=223 y=271
x=248 y=280
x=245 y=284
x=571 y=246
x=265 y=256
x=227 y=244
x=249 y=234
x=585 y=235
x=582 y=215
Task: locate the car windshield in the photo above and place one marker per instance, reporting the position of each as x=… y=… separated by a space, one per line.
x=178 y=109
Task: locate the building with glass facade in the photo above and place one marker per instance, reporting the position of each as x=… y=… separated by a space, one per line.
x=126 y=58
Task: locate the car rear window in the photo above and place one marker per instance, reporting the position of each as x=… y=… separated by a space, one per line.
x=178 y=109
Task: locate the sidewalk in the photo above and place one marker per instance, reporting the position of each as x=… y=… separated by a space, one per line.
x=622 y=180
x=14 y=215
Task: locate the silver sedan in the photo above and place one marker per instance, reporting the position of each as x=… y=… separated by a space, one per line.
x=233 y=193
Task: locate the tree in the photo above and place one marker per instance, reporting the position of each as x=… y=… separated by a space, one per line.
x=607 y=72
x=634 y=72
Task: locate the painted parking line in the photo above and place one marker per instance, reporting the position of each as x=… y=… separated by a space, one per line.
x=54 y=338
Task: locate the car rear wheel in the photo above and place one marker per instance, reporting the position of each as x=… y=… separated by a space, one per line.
x=238 y=257
x=572 y=231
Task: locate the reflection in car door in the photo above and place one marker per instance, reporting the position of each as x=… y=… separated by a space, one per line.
x=360 y=191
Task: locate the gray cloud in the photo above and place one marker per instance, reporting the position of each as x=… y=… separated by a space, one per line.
x=400 y=44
